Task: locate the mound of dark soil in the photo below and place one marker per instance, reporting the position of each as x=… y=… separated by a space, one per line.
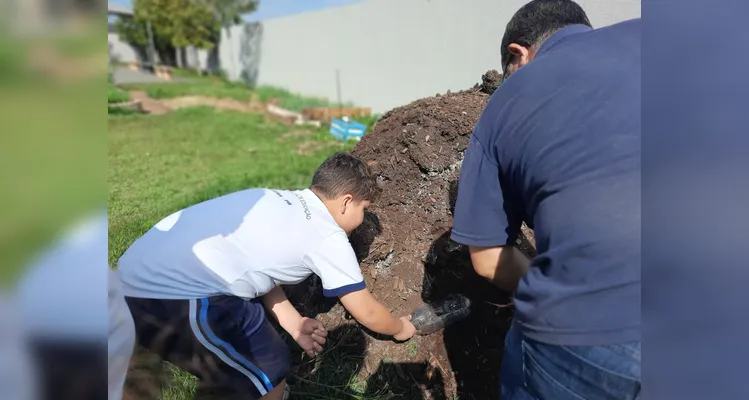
x=406 y=254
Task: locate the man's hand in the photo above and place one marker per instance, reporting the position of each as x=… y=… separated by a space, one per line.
x=310 y=335
x=407 y=331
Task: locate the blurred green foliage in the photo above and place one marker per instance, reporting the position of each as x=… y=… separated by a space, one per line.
x=53 y=146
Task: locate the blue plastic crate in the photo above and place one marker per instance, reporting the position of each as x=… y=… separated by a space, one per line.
x=345 y=130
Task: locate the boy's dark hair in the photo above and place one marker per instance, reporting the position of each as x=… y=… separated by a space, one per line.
x=343 y=173
x=538 y=19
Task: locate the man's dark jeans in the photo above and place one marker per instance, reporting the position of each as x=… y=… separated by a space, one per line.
x=533 y=370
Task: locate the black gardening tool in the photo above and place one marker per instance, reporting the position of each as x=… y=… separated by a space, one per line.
x=430 y=318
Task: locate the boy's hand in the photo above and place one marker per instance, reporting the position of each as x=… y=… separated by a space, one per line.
x=407 y=331
x=310 y=335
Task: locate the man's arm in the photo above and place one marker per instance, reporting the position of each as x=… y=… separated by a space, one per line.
x=373 y=315
x=488 y=212
x=501 y=265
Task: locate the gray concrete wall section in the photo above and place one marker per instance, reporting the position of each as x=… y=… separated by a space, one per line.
x=238 y=53
x=391 y=52
x=120 y=51
x=387 y=52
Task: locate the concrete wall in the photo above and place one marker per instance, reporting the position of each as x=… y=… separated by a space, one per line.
x=387 y=52
x=238 y=53
x=119 y=50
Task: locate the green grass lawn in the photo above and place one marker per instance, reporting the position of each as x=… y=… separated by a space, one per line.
x=116 y=95
x=211 y=86
x=52 y=147
x=205 y=86
x=52 y=163
x=291 y=101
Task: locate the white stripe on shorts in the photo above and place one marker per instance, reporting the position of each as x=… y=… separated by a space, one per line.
x=220 y=354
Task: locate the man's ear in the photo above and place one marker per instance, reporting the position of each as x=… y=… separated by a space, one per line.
x=522 y=54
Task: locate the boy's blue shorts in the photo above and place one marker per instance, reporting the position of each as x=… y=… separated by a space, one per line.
x=225 y=341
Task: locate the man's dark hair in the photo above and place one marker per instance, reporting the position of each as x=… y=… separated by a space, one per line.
x=538 y=19
x=343 y=173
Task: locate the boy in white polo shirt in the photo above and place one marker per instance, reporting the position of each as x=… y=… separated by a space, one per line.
x=201 y=280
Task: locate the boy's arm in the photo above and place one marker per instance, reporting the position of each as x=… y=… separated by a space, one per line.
x=279 y=305
x=334 y=261
x=307 y=332
x=370 y=313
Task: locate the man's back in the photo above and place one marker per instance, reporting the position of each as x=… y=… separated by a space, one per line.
x=564 y=131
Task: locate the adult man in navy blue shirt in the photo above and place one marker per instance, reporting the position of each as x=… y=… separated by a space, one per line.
x=558 y=146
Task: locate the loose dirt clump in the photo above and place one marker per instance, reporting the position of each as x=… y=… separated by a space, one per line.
x=490 y=81
x=407 y=257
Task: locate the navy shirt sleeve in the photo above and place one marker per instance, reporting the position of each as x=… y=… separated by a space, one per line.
x=485 y=215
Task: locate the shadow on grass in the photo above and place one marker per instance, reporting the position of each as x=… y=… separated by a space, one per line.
x=339 y=372
x=333 y=373
x=417 y=380
x=151 y=378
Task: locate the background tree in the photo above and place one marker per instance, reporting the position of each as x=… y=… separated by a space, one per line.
x=182 y=23
x=133 y=31
x=229 y=12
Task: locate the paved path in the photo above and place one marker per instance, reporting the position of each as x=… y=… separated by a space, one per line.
x=148 y=104
x=123 y=75
x=163 y=106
